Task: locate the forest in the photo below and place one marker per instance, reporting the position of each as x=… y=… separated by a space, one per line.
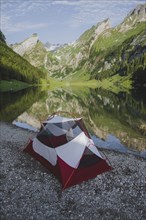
x=13 y=66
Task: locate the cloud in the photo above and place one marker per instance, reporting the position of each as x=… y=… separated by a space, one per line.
x=84 y=10
x=12 y=9
x=87 y=11
x=23 y=7
x=67 y=2
x=81 y=13
x=25 y=26
x=7 y=26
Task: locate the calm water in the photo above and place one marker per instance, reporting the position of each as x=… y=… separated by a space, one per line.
x=115 y=121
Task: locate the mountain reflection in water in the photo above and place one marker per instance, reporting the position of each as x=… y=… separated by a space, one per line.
x=115 y=121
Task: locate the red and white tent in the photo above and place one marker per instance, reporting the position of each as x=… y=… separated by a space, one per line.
x=64 y=146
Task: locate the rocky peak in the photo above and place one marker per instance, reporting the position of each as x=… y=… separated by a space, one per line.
x=139 y=12
x=102 y=26
x=136 y=15
x=26 y=45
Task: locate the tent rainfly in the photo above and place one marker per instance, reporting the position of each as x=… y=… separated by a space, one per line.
x=64 y=146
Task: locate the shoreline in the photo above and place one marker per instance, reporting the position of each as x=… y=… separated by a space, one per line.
x=30 y=191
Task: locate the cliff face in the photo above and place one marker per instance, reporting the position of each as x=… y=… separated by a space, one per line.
x=26 y=45
x=139 y=12
x=34 y=51
x=135 y=16
x=100 y=28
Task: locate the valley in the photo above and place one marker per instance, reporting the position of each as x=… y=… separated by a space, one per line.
x=110 y=57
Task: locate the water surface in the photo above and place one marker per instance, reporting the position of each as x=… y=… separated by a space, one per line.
x=115 y=120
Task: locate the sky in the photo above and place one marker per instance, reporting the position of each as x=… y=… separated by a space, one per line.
x=58 y=21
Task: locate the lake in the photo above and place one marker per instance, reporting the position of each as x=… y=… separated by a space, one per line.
x=114 y=120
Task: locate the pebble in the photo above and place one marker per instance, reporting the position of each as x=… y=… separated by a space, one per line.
x=29 y=191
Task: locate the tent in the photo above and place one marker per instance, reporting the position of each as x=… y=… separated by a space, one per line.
x=64 y=146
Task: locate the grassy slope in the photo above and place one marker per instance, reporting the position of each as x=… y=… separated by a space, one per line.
x=114 y=45
x=116 y=38
x=77 y=76
x=13 y=66
x=103 y=43
x=102 y=46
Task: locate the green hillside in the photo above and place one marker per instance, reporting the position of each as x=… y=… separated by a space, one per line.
x=116 y=54
x=110 y=55
x=13 y=66
x=116 y=37
x=120 y=53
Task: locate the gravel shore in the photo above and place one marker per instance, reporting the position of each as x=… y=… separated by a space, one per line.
x=29 y=191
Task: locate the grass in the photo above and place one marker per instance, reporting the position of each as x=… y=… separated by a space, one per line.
x=80 y=75
x=116 y=38
x=13 y=85
x=115 y=83
x=87 y=34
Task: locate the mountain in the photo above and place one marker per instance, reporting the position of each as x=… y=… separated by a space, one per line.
x=13 y=66
x=101 y=52
x=74 y=55
x=26 y=45
x=34 y=51
x=135 y=16
x=121 y=50
x=41 y=56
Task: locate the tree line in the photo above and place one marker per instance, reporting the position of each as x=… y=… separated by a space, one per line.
x=13 y=66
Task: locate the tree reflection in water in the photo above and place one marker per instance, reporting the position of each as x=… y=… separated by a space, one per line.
x=105 y=113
